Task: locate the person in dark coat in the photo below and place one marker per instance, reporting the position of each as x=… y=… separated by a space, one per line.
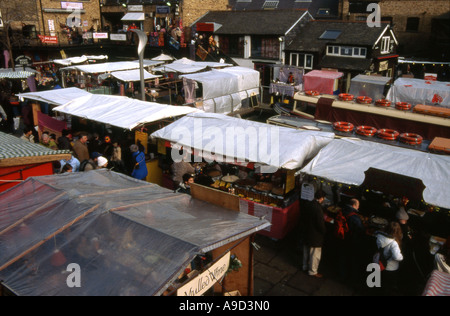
x=313 y=227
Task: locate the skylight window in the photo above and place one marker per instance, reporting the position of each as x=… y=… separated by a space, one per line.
x=330 y=34
x=271 y=4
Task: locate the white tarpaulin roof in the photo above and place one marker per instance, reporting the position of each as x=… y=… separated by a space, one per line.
x=246 y=141
x=346 y=160
x=187 y=66
x=121 y=111
x=56 y=97
x=418 y=91
x=370 y=86
x=225 y=87
x=163 y=57
x=78 y=60
x=112 y=66
x=137 y=16
x=133 y=75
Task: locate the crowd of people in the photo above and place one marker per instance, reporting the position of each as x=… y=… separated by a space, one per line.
x=397 y=244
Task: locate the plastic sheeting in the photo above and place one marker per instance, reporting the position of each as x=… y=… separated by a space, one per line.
x=418 y=91
x=247 y=141
x=133 y=75
x=321 y=81
x=78 y=60
x=224 y=89
x=112 y=66
x=18 y=73
x=56 y=97
x=128 y=237
x=346 y=160
x=187 y=66
x=121 y=111
x=370 y=86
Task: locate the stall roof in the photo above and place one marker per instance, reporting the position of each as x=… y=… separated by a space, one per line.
x=371 y=86
x=18 y=73
x=186 y=66
x=112 y=66
x=419 y=91
x=244 y=140
x=133 y=75
x=129 y=237
x=15 y=151
x=56 y=96
x=347 y=160
x=324 y=74
x=163 y=57
x=137 y=16
x=78 y=60
x=121 y=111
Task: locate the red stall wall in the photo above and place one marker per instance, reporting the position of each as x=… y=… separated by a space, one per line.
x=22 y=173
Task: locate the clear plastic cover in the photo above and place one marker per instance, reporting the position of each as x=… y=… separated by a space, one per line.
x=128 y=237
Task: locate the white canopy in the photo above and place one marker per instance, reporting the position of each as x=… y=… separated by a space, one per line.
x=243 y=141
x=418 y=91
x=132 y=75
x=346 y=160
x=163 y=57
x=78 y=60
x=187 y=66
x=224 y=89
x=136 y=16
x=112 y=66
x=56 y=97
x=121 y=111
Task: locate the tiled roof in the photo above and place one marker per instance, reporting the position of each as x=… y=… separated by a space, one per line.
x=352 y=33
x=260 y=22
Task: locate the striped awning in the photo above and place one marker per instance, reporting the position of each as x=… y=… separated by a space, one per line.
x=12 y=148
x=438 y=284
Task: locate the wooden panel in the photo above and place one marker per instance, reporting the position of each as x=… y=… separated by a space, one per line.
x=216 y=197
x=241 y=280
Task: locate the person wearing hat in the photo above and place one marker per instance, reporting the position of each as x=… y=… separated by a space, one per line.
x=140 y=171
x=90 y=164
x=102 y=162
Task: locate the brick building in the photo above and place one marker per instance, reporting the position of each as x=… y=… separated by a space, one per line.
x=413 y=21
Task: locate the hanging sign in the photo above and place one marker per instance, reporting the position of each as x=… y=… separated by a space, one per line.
x=48 y=39
x=203 y=282
x=24 y=61
x=307 y=192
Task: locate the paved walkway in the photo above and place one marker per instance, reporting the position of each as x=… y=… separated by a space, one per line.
x=278 y=272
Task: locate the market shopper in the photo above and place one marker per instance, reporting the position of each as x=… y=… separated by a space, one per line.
x=185 y=186
x=80 y=148
x=390 y=241
x=140 y=171
x=28 y=135
x=313 y=233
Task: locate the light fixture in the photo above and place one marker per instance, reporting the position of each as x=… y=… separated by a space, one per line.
x=169 y=4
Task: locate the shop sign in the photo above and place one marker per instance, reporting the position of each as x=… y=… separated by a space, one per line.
x=383 y=65
x=51 y=27
x=118 y=37
x=203 y=282
x=71 y=6
x=101 y=35
x=24 y=61
x=48 y=39
x=135 y=8
x=1 y=19
x=162 y=9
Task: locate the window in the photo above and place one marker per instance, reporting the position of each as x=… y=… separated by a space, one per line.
x=295 y=59
x=232 y=45
x=330 y=34
x=302 y=60
x=270 y=4
x=265 y=47
x=412 y=25
x=385 y=45
x=308 y=61
x=346 y=51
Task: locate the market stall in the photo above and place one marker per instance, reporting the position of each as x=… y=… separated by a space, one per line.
x=21 y=159
x=256 y=161
x=91 y=77
x=65 y=62
x=223 y=90
x=322 y=81
x=419 y=91
x=375 y=87
x=112 y=235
